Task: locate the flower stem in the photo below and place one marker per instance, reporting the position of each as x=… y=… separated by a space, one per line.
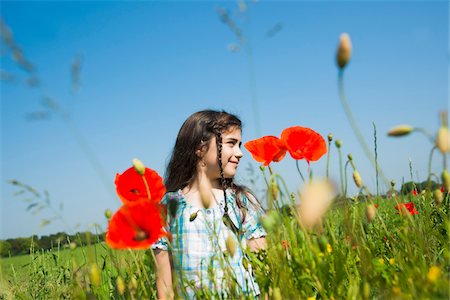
x=299 y=172
x=328 y=158
x=354 y=126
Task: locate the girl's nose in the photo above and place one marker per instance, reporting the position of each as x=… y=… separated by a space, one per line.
x=239 y=153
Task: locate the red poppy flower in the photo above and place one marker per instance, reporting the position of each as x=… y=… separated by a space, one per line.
x=266 y=149
x=304 y=143
x=376 y=205
x=404 y=208
x=414 y=192
x=136 y=225
x=130 y=186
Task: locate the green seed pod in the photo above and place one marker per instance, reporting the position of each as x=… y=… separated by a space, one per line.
x=446 y=180
x=193 y=216
x=108 y=214
x=338 y=143
x=438 y=197
x=350 y=157
x=330 y=137
x=392 y=183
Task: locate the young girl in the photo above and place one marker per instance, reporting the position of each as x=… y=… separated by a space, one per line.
x=207 y=153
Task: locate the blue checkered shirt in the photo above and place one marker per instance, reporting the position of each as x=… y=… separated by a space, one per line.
x=199 y=242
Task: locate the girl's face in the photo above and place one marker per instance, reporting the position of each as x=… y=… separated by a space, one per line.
x=231 y=154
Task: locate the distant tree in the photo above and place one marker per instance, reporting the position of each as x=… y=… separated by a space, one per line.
x=5 y=249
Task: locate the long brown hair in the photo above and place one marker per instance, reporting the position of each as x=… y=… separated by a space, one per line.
x=195 y=133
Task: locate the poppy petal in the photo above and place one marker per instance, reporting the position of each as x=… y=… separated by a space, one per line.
x=136 y=226
x=130 y=185
x=266 y=149
x=304 y=143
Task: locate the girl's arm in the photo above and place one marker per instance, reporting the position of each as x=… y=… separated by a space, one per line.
x=257 y=244
x=163 y=274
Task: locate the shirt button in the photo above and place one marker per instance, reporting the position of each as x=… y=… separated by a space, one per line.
x=208 y=211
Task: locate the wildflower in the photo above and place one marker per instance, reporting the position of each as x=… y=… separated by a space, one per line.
x=396 y=290
x=138 y=166
x=357 y=179
x=443 y=140
x=266 y=149
x=344 y=51
x=304 y=143
x=438 y=197
x=371 y=211
x=392 y=261
x=400 y=130
x=130 y=185
x=329 y=248
x=433 y=274
x=381 y=261
x=414 y=192
x=404 y=208
x=285 y=244
x=230 y=244
x=120 y=285
x=136 y=225
x=94 y=274
x=315 y=198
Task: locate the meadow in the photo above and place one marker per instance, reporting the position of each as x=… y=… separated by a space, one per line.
x=322 y=242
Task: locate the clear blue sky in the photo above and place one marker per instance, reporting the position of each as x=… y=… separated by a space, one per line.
x=148 y=65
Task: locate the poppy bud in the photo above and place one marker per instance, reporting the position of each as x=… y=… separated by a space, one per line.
x=366 y=290
x=120 y=285
x=139 y=166
x=370 y=212
x=438 y=197
x=193 y=216
x=108 y=214
x=350 y=157
x=400 y=130
x=344 y=51
x=338 y=143
x=446 y=180
x=443 y=140
x=230 y=243
x=94 y=274
x=357 y=179
x=392 y=183
x=274 y=190
x=205 y=191
x=277 y=294
x=330 y=137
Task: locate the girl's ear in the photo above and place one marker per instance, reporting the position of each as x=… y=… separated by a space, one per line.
x=200 y=152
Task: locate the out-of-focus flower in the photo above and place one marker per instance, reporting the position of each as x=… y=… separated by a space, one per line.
x=130 y=186
x=414 y=192
x=438 y=197
x=72 y=245
x=304 y=143
x=396 y=290
x=344 y=51
x=136 y=225
x=433 y=274
x=205 y=191
x=443 y=140
x=446 y=180
x=329 y=248
x=371 y=211
x=285 y=244
x=392 y=261
x=315 y=198
x=231 y=245
x=400 y=130
x=405 y=208
x=357 y=179
x=94 y=274
x=266 y=149
x=120 y=285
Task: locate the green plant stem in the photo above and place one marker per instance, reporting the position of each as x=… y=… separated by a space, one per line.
x=354 y=126
x=430 y=159
x=426 y=133
x=299 y=172
x=341 y=171
x=328 y=158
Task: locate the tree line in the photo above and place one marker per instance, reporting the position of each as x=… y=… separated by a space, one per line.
x=24 y=245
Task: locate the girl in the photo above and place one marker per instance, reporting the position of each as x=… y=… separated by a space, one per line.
x=207 y=153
